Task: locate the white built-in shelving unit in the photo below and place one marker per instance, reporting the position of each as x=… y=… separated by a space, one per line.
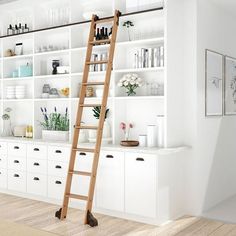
x=141 y=110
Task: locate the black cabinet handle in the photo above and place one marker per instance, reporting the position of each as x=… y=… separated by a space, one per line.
x=16 y=161
x=58 y=167
x=57 y=182
x=109 y=156
x=139 y=159
x=82 y=154
x=16 y=147
x=36 y=149
x=36 y=178
x=16 y=175
x=36 y=164
x=58 y=151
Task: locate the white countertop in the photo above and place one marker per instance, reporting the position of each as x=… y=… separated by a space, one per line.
x=114 y=147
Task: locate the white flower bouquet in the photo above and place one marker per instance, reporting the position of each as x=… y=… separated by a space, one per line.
x=131 y=82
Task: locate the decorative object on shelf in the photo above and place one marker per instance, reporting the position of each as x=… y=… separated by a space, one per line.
x=15 y=74
x=65 y=92
x=106 y=128
x=128 y=24
x=20 y=91
x=18 y=49
x=98 y=57
x=63 y=69
x=9 y=53
x=142 y=138
x=131 y=82
x=230 y=86
x=89 y=92
x=18 y=29
x=155 y=88
x=6 y=122
x=149 y=57
x=55 y=125
x=129 y=143
x=46 y=91
x=151 y=135
x=25 y=70
x=52 y=47
x=55 y=64
x=29 y=131
x=19 y=131
x=101 y=34
x=126 y=129
x=214 y=83
x=160 y=131
x=53 y=93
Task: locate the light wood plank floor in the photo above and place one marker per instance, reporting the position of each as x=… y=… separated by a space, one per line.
x=40 y=215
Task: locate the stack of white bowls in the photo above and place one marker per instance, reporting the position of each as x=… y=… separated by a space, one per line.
x=20 y=91
x=11 y=92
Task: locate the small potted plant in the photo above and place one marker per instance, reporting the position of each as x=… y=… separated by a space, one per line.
x=106 y=127
x=55 y=125
x=126 y=130
x=131 y=82
x=128 y=24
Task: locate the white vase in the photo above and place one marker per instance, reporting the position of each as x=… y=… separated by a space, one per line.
x=6 y=131
x=151 y=136
x=160 y=131
x=106 y=130
x=55 y=135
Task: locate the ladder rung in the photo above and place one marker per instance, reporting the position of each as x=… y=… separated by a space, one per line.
x=100 y=41
x=104 y=20
x=90 y=105
x=84 y=173
x=86 y=127
x=80 y=197
x=84 y=150
x=96 y=62
x=93 y=83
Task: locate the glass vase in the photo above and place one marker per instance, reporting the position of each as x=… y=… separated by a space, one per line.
x=6 y=130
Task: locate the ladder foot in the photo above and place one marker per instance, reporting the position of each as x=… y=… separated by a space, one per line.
x=58 y=214
x=91 y=220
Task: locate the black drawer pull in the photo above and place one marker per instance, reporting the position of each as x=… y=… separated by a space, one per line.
x=109 y=156
x=58 y=151
x=139 y=159
x=36 y=178
x=16 y=175
x=36 y=164
x=36 y=149
x=58 y=167
x=58 y=182
x=16 y=147
x=82 y=154
x=16 y=161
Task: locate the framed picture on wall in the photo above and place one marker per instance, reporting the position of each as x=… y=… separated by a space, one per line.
x=230 y=86
x=214 y=69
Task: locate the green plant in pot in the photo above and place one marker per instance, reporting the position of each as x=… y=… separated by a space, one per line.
x=106 y=128
x=55 y=125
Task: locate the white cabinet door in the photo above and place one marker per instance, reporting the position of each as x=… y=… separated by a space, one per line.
x=56 y=187
x=57 y=153
x=140 y=184
x=37 y=184
x=16 y=163
x=3 y=178
x=3 y=161
x=17 y=149
x=110 y=181
x=36 y=166
x=17 y=180
x=37 y=151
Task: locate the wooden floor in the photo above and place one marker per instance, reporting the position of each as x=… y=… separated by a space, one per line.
x=40 y=215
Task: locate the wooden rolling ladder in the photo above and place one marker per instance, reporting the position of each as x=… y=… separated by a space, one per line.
x=62 y=212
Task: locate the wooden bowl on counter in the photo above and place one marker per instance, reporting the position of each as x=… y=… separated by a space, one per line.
x=129 y=143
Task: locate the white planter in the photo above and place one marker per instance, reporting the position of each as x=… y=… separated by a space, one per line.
x=55 y=135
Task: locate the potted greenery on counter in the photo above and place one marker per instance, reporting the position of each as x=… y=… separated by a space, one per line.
x=55 y=125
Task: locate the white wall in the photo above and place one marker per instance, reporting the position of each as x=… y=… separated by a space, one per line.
x=212 y=169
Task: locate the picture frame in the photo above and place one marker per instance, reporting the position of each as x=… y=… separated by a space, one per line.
x=214 y=83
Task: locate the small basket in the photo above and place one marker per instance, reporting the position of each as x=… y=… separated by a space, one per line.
x=129 y=143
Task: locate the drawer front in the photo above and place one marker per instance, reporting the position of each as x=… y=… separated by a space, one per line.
x=140 y=184
x=3 y=178
x=16 y=180
x=37 y=184
x=37 y=166
x=37 y=151
x=56 y=187
x=3 y=161
x=17 y=149
x=84 y=161
x=16 y=163
x=57 y=168
x=56 y=153
x=3 y=148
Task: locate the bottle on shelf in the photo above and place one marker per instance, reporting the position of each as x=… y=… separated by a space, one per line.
x=16 y=30
x=9 y=30
x=98 y=34
x=20 y=28
x=106 y=34
x=110 y=33
x=102 y=33
x=26 y=28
